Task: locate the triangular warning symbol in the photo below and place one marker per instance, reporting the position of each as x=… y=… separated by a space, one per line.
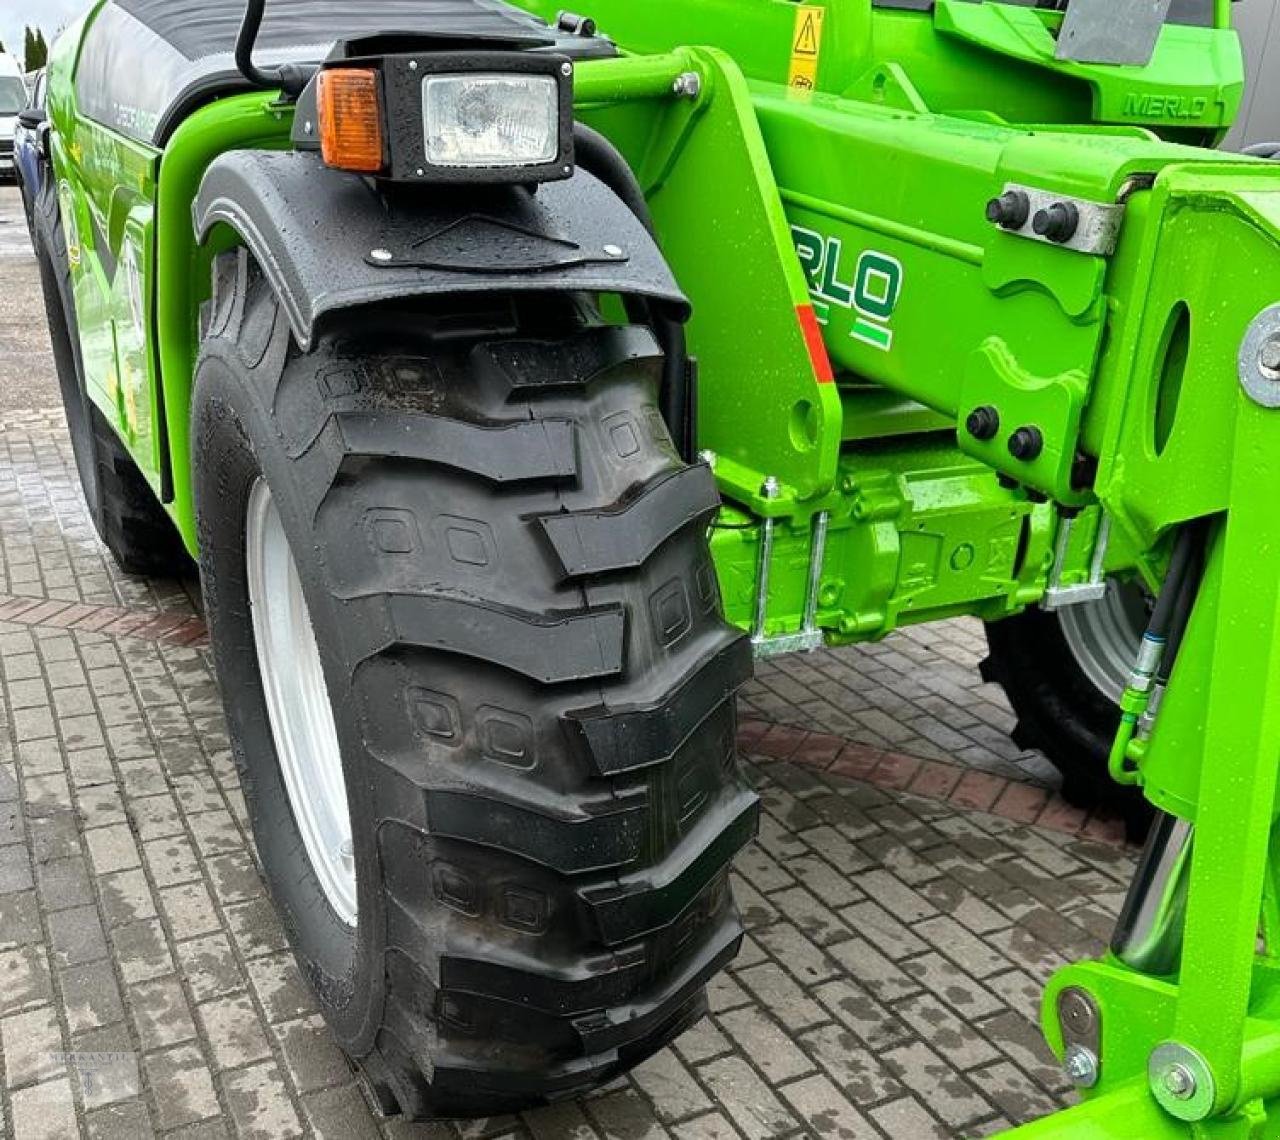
x=807 y=37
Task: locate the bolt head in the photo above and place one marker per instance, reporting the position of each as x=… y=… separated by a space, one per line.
x=566 y=69
x=1026 y=443
x=1058 y=223
x=983 y=423
x=413 y=65
x=1179 y=1082
x=613 y=250
x=1010 y=211
x=382 y=255
x=1081 y=1066
x=687 y=85
x=770 y=488
x=1269 y=358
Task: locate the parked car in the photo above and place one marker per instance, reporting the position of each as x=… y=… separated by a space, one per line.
x=13 y=97
x=29 y=156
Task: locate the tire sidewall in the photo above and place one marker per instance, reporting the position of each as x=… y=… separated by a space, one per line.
x=236 y=444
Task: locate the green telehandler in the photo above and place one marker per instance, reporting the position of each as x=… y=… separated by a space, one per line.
x=517 y=376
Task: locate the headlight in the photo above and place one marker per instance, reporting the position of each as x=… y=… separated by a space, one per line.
x=491 y=120
x=440 y=116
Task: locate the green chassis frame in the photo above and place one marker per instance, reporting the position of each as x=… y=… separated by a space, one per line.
x=857 y=501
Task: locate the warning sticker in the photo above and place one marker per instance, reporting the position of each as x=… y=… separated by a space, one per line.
x=806 y=47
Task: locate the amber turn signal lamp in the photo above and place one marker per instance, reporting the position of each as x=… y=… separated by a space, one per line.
x=350 y=119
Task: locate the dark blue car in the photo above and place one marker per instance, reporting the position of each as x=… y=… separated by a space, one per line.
x=30 y=163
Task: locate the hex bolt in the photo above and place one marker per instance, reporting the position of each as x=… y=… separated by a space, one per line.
x=383 y=255
x=770 y=488
x=983 y=423
x=613 y=250
x=687 y=85
x=1010 y=211
x=1269 y=358
x=1026 y=443
x=1058 y=223
x=566 y=69
x=1179 y=1082
x=1081 y=1066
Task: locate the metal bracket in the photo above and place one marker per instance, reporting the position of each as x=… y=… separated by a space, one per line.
x=1097 y=226
x=1081 y=1022
x=809 y=637
x=1058 y=596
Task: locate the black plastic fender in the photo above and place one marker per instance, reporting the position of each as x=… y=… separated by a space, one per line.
x=328 y=240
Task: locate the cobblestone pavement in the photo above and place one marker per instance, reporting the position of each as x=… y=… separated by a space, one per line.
x=913 y=885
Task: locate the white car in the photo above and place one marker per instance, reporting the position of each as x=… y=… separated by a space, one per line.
x=13 y=97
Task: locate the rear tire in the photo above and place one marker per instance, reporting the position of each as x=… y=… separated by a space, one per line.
x=1064 y=692
x=507 y=573
x=125 y=511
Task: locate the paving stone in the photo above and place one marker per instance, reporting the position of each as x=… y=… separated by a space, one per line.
x=826 y=1111
x=626 y=1113
x=772 y=1050
x=234 y=1031
x=15 y=870
x=141 y=951
x=33 y=1047
x=160 y=1013
x=64 y=883
x=112 y=848
x=339 y=1114
x=952 y=1097
x=209 y=967
x=24 y=979
x=189 y=910
x=854 y=1069
x=44 y=1112
x=777 y=992
x=126 y=897
x=105 y=1067
x=312 y=1060
x=90 y=995
x=126 y=1121
x=76 y=936
x=19 y=920
x=182 y=1086
x=255 y=928
x=746 y=1099
x=278 y=986
x=260 y=1105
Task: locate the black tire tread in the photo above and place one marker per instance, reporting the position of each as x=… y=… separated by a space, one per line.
x=548 y=925
x=1061 y=713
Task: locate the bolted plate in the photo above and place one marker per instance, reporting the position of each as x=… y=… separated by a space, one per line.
x=1111 y=31
x=1259 y=355
x=1181 y=1081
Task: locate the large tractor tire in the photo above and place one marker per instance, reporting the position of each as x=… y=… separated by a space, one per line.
x=1064 y=672
x=478 y=684
x=126 y=514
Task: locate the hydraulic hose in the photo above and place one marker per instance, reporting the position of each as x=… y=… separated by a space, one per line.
x=1159 y=648
x=598 y=156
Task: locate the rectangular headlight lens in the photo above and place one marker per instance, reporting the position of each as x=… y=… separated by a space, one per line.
x=491 y=120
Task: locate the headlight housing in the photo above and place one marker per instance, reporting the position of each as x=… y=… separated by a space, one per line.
x=477 y=117
x=491 y=120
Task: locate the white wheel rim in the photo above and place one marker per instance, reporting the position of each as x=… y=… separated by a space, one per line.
x=298 y=705
x=1104 y=636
